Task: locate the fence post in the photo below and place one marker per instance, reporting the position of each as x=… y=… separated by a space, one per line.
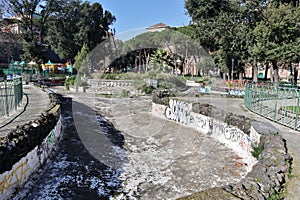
x=15 y=93
x=276 y=101
x=261 y=99
x=250 y=96
x=6 y=98
x=297 y=111
x=247 y=97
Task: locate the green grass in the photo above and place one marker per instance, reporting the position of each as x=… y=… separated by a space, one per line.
x=292 y=108
x=257 y=150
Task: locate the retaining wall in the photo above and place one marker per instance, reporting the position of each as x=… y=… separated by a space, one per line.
x=110 y=83
x=266 y=176
x=229 y=135
x=27 y=147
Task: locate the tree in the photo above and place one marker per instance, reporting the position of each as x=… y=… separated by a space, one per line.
x=33 y=24
x=76 y=24
x=249 y=31
x=160 y=61
x=218 y=26
x=65 y=25
x=82 y=61
x=10 y=44
x=205 y=65
x=278 y=35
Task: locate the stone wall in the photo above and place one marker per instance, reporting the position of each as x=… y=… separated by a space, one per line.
x=265 y=181
x=27 y=147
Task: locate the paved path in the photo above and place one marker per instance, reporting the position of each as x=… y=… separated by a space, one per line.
x=34 y=102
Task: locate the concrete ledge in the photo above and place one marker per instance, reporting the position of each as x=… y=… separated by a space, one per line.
x=27 y=147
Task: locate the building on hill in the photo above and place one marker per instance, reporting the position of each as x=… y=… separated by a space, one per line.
x=157 y=27
x=13 y=24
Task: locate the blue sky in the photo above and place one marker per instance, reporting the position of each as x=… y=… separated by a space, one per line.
x=136 y=14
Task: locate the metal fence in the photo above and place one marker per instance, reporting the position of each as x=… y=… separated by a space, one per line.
x=280 y=104
x=11 y=93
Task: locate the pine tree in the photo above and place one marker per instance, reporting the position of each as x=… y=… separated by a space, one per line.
x=82 y=61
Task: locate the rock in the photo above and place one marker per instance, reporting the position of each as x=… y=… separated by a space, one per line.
x=213 y=193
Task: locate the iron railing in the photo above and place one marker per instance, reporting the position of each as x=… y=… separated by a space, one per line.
x=279 y=104
x=11 y=94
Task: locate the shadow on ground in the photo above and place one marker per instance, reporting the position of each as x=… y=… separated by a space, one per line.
x=74 y=171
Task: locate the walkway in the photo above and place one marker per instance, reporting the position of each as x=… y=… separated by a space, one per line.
x=35 y=101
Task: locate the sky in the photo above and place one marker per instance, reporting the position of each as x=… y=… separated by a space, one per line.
x=139 y=14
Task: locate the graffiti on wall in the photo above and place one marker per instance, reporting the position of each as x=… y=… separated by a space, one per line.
x=14 y=177
x=203 y=123
x=179 y=111
x=49 y=142
x=234 y=135
x=47 y=146
x=21 y=171
x=159 y=109
x=217 y=129
x=237 y=92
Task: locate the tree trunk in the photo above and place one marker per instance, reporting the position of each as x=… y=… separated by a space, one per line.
x=266 y=72
x=224 y=76
x=271 y=72
x=140 y=55
x=255 y=72
x=275 y=72
x=295 y=75
x=147 y=61
x=135 y=64
x=240 y=76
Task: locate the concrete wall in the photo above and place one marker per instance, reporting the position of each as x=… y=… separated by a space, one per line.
x=110 y=83
x=231 y=136
x=27 y=147
x=266 y=176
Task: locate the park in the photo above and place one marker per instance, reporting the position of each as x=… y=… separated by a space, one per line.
x=204 y=111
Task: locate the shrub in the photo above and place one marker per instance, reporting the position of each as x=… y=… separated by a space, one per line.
x=148 y=89
x=70 y=81
x=257 y=150
x=80 y=82
x=166 y=85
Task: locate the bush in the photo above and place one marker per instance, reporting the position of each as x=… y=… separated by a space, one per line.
x=257 y=150
x=80 y=82
x=148 y=89
x=70 y=81
x=166 y=85
x=151 y=74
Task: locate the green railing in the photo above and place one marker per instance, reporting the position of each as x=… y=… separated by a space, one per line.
x=11 y=94
x=279 y=104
